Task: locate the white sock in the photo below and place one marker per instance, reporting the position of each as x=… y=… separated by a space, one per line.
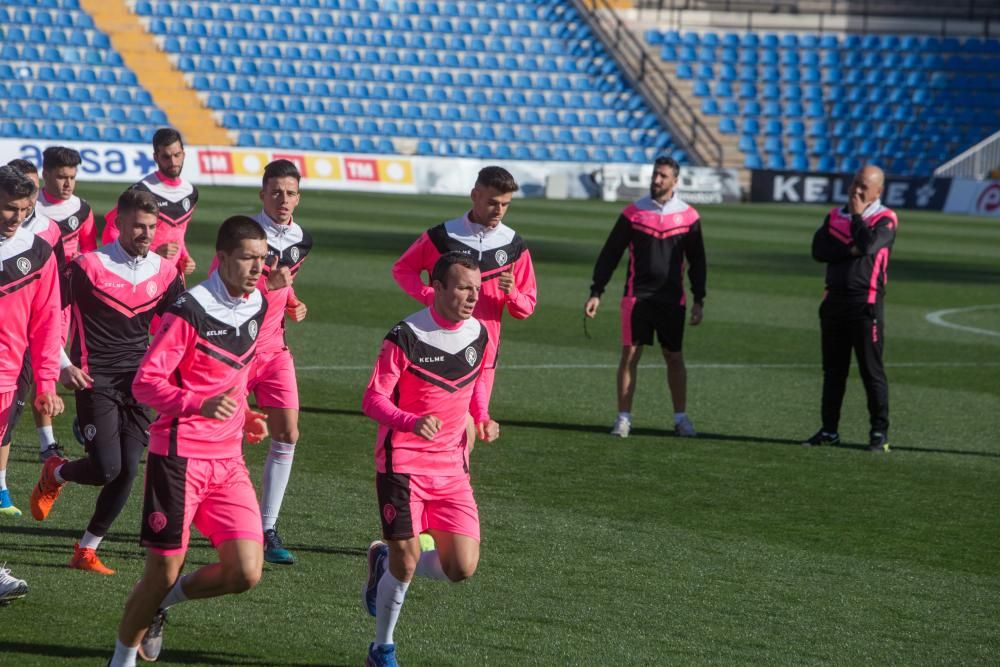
x=45 y=437
x=388 y=603
x=124 y=655
x=277 y=470
x=679 y=417
x=175 y=594
x=627 y=416
x=55 y=473
x=3 y=479
x=429 y=566
x=90 y=541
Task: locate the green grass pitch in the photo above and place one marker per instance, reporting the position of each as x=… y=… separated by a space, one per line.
x=739 y=547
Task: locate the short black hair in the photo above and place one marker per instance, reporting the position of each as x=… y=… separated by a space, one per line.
x=668 y=161
x=26 y=167
x=166 y=136
x=15 y=184
x=449 y=259
x=497 y=178
x=280 y=169
x=57 y=157
x=135 y=199
x=235 y=230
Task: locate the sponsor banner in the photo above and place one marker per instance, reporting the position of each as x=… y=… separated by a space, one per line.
x=974 y=197
x=821 y=188
x=695 y=185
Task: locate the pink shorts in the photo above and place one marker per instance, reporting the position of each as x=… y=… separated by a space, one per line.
x=412 y=504
x=272 y=380
x=215 y=495
x=6 y=402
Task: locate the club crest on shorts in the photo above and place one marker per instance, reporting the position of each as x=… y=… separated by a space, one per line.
x=157 y=521
x=23 y=265
x=471 y=355
x=150 y=289
x=73 y=222
x=389 y=513
x=186 y=204
x=294 y=252
x=501 y=257
x=252 y=329
x=89 y=431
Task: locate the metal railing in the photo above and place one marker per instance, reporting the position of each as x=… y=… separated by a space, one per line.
x=976 y=162
x=652 y=82
x=970 y=10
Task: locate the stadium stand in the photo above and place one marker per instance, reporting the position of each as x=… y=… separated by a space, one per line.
x=61 y=80
x=825 y=102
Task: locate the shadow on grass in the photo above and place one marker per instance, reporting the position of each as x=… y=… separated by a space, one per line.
x=12 y=649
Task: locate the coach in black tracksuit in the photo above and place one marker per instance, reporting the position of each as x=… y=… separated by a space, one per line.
x=855 y=242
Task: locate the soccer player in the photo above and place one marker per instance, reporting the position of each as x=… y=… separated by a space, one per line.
x=855 y=242
x=115 y=293
x=58 y=201
x=427 y=379
x=29 y=301
x=272 y=374
x=194 y=375
x=507 y=273
x=660 y=232
x=177 y=199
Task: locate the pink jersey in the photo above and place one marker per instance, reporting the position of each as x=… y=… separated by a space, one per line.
x=41 y=225
x=29 y=303
x=497 y=250
x=177 y=200
x=76 y=223
x=203 y=349
x=115 y=297
x=427 y=366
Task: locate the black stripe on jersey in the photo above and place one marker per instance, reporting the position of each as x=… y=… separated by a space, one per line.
x=489 y=260
x=223 y=335
x=238 y=365
x=68 y=230
x=454 y=369
x=6 y=291
x=175 y=422
x=387 y=446
x=35 y=256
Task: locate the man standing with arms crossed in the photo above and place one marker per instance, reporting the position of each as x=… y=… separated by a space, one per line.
x=176 y=197
x=855 y=242
x=427 y=380
x=195 y=376
x=115 y=293
x=660 y=232
x=508 y=276
x=29 y=301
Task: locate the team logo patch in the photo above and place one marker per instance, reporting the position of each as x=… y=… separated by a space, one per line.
x=678 y=219
x=501 y=257
x=157 y=521
x=471 y=355
x=23 y=265
x=186 y=204
x=294 y=252
x=180 y=301
x=89 y=431
x=389 y=513
x=253 y=329
x=73 y=222
x=151 y=289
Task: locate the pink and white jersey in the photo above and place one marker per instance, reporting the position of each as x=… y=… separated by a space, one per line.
x=115 y=297
x=76 y=223
x=177 y=200
x=29 y=310
x=289 y=245
x=203 y=349
x=427 y=366
x=41 y=225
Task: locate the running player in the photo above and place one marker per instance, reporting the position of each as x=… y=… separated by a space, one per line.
x=507 y=273
x=272 y=375
x=194 y=374
x=427 y=379
x=115 y=293
x=660 y=232
x=177 y=199
x=29 y=301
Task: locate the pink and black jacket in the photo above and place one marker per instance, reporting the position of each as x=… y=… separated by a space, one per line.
x=856 y=278
x=75 y=219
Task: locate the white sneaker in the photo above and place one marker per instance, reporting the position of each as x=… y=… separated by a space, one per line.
x=621 y=428
x=11 y=588
x=684 y=428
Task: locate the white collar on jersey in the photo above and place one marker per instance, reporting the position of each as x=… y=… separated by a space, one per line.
x=874 y=208
x=57 y=209
x=37 y=222
x=213 y=296
x=21 y=241
x=479 y=237
x=278 y=235
x=171 y=193
x=673 y=205
x=135 y=269
x=451 y=341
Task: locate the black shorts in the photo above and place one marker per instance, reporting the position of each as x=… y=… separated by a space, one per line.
x=110 y=416
x=640 y=318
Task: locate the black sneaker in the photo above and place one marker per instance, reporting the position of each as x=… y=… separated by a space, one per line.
x=878 y=442
x=55 y=449
x=822 y=438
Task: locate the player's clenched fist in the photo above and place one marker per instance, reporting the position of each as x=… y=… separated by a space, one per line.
x=427 y=427
x=49 y=404
x=295 y=309
x=488 y=431
x=505 y=281
x=255 y=426
x=278 y=277
x=168 y=250
x=590 y=308
x=219 y=407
